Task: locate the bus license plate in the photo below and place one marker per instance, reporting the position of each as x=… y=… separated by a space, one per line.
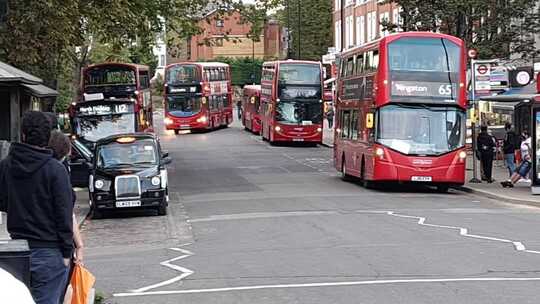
x=421 y=178
x=124 y=204
x=184 y=126
x=297 y=139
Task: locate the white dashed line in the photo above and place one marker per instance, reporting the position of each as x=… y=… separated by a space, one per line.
x=185 y=272
x=327 y=284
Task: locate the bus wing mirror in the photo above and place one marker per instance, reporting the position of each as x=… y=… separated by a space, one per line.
x=369 y=120
x=253 y=99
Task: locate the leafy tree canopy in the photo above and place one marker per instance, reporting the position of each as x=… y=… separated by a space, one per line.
x=497 y=28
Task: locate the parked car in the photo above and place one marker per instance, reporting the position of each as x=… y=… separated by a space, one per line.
x=128 y=172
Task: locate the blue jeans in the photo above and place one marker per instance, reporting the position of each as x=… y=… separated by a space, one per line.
x=510 y=161
x=48 y=275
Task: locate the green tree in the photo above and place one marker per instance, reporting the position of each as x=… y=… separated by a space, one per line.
x=54 y=39
x=497 y=29
x=310 y=26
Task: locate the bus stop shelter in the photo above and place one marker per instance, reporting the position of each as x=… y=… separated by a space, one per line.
x=526 y=113
x=20 y=92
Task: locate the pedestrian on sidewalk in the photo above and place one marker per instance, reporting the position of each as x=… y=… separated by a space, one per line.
x=486 y=145
x=35 y=192
x=526 y=162
x=239 y=108
x=61 y=147
x=510 y=145
x=330 y=117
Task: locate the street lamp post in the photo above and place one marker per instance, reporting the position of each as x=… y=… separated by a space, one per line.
x=299 y=27
x=288 y=30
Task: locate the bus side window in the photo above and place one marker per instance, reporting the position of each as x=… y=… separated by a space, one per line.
x=345 y=124
x=350 y=66
x=368 y=61
x=375 y=63
x=359 y=64
x=143 y=77
x=354 y=125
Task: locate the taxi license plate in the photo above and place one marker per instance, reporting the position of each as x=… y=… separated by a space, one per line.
x=297 y=139
x=124 y=204
x=421 y=178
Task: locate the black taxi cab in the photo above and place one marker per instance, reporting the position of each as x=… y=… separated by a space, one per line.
x=128 y=172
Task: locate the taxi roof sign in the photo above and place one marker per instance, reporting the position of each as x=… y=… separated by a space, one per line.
x=125 y=140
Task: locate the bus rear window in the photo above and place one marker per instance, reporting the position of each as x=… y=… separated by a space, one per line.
x=182 y=74
x=110 y=76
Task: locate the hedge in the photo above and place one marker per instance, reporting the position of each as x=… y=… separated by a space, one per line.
x=243 y=69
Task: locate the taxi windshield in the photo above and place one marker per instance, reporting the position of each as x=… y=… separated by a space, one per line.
x=137 y=153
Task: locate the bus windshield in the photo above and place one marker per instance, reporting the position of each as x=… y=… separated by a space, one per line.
x=299 y=112
x=113 y=75
x=421 y=130
x=299 y=74
x=182 y=74
x=94 y=128
x=183 y=106
x=424 y=68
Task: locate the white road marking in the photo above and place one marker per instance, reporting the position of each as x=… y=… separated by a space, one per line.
x=185 y=272
x=256 y=215
x=463 y=232
x=327 y=284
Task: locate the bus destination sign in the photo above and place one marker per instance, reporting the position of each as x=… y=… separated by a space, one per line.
x=442 y=90
x=105 y=109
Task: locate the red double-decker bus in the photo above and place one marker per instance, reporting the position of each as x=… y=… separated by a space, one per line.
x=251 y=102
x=291 y=101
x=113 y=98
x=197 y=96
x=400 y=109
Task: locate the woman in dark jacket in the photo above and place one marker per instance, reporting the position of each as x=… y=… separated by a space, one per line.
x=486 y=146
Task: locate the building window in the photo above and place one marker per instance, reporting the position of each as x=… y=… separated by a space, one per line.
x=162 y=60
x=337 y=35
x=220 y=23
x=373 y=25
x=3 y=10
x=360 y=27
x=384 y=17
x=369 y=27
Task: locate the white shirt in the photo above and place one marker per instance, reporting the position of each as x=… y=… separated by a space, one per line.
x=13 y=291
x=525 y=152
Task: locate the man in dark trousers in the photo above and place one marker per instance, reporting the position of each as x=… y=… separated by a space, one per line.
x=36 y=194
x=486 y=145
x=510 y=145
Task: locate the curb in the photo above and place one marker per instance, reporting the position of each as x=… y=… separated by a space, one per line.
x=327 y=145
x=504 y=198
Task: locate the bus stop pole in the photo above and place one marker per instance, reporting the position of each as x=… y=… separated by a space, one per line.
x=474 y=179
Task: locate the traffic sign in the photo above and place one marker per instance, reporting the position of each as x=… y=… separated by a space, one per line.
x=482 y=69
x=472 y=53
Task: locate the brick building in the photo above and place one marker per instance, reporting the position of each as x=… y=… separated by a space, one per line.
x=361 y=21
x=227 y=36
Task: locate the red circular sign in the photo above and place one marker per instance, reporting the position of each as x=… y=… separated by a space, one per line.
x=472 y=53
x=482 y=69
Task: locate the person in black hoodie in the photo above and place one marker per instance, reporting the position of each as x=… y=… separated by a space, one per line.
x=510 y=145
x=36 y=194
x=486 y=145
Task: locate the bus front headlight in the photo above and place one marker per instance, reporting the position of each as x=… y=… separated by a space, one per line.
x=168 y=121
x=277 y=128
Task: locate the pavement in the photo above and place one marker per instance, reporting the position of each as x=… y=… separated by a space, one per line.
x=520 y=194
x=80 y=209
x=253 y=223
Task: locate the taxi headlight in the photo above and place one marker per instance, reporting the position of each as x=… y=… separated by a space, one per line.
x=99 y=184
x=156 y=181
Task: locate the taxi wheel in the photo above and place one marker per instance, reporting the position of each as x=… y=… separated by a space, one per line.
x=96 y=214
x=162 y=209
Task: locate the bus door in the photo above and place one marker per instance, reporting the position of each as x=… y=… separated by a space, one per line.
x=535 y=153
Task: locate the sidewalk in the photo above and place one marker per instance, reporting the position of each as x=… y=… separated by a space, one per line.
x=520 y=194
x=80 y=209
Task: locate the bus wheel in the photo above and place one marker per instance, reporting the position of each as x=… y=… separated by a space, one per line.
x=442 y=188
x=176 y=132
x=344 y=176
x=365 y=183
